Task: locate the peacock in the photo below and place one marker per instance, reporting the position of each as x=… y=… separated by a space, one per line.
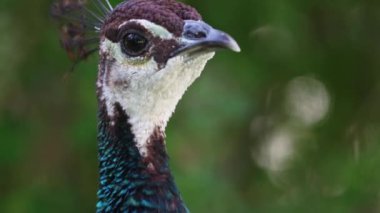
x=150 y=52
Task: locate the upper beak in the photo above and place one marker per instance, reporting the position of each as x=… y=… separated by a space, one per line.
x=197 y=36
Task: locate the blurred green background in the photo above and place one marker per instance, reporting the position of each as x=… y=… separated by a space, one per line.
x=291 y=124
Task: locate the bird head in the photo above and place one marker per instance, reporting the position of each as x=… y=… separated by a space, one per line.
x=151 y=51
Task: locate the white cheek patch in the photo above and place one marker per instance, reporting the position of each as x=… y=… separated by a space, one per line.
x=153 y=28
x=150 y=95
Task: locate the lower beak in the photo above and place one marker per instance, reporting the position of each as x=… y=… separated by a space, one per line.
x=198 y=36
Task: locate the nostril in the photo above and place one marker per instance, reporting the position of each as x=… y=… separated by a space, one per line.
x=195 y=30
x=195 y=34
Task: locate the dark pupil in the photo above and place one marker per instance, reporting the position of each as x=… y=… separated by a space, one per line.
x=134 y=43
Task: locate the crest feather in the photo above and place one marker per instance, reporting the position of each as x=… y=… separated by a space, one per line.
x=80 y=22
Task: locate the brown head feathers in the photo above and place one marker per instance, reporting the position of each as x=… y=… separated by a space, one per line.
x=166 y=13
x=83 y=22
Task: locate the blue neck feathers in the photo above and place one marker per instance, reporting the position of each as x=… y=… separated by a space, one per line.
x=128 y=181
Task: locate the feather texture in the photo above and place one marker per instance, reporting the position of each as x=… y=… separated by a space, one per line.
x=80 y=23
x=128 y=182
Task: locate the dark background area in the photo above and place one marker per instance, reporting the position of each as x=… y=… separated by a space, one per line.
x=291 y=124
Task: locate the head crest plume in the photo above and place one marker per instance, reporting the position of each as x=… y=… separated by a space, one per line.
x=80 y=22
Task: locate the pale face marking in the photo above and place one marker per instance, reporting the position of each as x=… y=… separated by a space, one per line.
x=155 y=29
x=152 y=93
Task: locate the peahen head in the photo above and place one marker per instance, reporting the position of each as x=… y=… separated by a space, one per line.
x=151 y=52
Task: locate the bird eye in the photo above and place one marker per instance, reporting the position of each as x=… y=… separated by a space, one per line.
x=134 y=44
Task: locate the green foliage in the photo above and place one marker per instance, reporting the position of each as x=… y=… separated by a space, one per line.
x=291 y=124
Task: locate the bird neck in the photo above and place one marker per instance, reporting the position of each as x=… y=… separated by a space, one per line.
x=130 y=182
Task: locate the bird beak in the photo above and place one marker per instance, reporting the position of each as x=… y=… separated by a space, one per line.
x=197 y=36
